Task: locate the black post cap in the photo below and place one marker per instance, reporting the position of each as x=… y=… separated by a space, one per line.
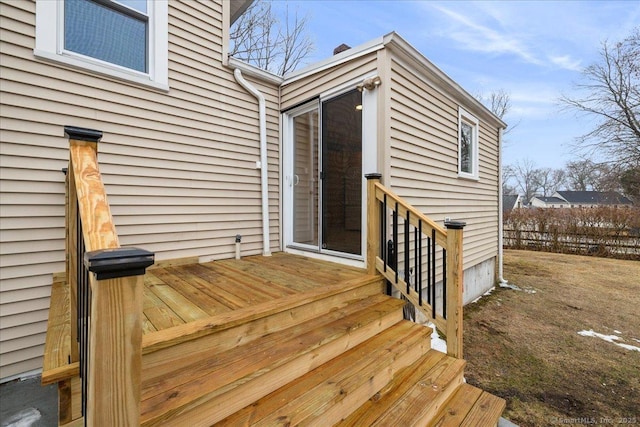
x=119 y=262
x=455 y=225
x=83 y=134
x=373 y=175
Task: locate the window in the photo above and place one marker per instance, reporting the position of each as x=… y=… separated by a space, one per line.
x=126 y=39
x=467 y=145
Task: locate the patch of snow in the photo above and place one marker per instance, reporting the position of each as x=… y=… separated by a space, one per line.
x=617 y=332
x=609 y=338
x=484 y=295
x=25 y=418
x=635 y=339
x=516 y=288
x=437 y=343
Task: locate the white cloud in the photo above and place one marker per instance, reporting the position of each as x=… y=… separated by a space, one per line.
x=477 y=37
x=566 y=62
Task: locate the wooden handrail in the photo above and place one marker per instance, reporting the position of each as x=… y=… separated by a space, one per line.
x=380 y=201
x=111 y=357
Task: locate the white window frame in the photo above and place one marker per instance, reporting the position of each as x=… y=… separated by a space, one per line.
x=469 y=119
x=50 y=45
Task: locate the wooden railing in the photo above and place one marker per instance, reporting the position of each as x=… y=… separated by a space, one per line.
x=106 y=284
x=419 y=258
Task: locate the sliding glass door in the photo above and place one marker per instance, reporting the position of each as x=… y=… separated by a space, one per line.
x=323 y=176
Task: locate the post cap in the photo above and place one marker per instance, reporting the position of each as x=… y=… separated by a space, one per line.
x=83 y=134
x=119 y=262
x=373 y=175
x=455 y=225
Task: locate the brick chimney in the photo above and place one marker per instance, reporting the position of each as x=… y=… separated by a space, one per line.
x=341 y=48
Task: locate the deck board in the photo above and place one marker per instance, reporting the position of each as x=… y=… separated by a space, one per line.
x=179 y=293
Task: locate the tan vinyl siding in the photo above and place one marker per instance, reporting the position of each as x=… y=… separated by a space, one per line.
x=306 y=88
x=423 y=133
x=179 y=167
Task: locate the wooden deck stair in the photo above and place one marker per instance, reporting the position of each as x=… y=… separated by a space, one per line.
x=258 y=341
x=341 y=355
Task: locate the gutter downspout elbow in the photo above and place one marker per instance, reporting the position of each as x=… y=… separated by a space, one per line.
x=501 y=280
x=264 y=177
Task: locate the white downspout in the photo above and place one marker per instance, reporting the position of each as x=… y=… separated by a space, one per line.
x=501 y=280
x=264 y=179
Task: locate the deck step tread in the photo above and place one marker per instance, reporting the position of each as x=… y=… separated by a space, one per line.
x=412 y=396
x=340 y=385
x=470 y=406
x=155 y=341
x=224 y=332
x=244 y=374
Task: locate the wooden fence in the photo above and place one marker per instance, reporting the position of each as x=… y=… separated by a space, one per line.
x=601 y=231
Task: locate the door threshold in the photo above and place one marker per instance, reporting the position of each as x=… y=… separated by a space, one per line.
x=346 y=259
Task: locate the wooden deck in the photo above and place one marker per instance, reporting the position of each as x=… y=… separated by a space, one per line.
x=263 y=340
x=178 y=294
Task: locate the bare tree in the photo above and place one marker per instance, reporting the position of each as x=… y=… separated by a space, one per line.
x=585 y=175
x=499 y=102
x=260 y=37
x=550 y=180
x=610 y=92
x=582 y=175
x=508 y=175
x=527 y=179
x=630 y=182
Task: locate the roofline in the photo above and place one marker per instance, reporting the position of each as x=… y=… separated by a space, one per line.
x=253 y=71
x=340 y=58
x=237 y=8
x=394 y=41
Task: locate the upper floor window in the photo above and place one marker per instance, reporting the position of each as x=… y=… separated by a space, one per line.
x=467 y=145
x=126 y=39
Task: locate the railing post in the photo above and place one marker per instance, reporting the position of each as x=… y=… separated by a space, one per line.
x=455 y=288
x=373 y=222
x=115 y=350
x=111 y=319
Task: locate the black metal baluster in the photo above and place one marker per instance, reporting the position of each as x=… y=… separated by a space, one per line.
x=429 y=284
x=395 y=242
x=444 y=283
x=407 y=245
x=415 y=259
x=383 y=234
x=419 y=271
x=82 y=309
x=433 y=273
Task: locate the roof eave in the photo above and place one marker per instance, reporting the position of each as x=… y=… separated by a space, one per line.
x=335 y=60
x=237 y=8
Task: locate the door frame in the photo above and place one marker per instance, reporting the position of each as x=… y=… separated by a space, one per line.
x=369 y=165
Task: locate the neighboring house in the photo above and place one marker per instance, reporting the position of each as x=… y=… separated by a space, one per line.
x=189 y=162
x=582 y=199
x=511 y=202
x=548 y=202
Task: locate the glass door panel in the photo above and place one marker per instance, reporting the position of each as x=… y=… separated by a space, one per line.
x=342 y=173
x=305 y=183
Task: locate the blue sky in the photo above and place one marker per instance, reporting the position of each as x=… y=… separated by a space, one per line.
x=534 y=50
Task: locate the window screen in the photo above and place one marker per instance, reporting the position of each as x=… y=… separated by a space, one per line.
x=107 y=32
